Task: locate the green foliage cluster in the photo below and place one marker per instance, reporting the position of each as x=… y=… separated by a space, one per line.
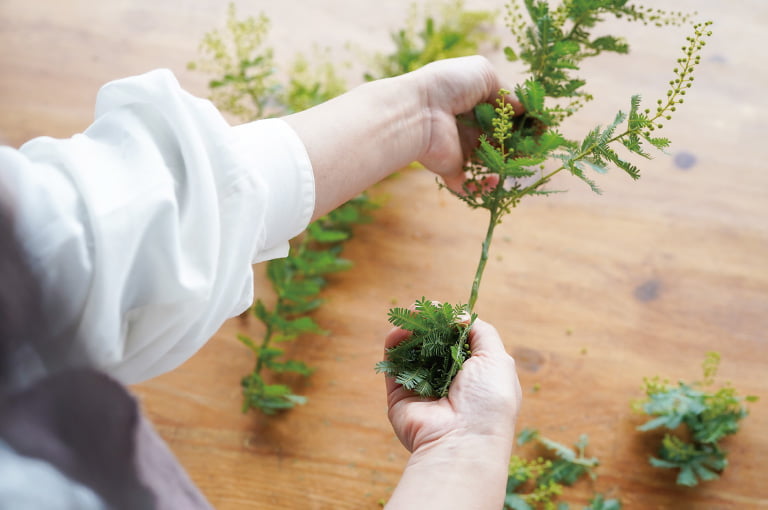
x=243 y=67
x=537 y=483
x=453 y=32
x=247 y=84
x=553 y=42
x=311 y=81
x=435 y=351
x=696 y=421
x=515 y=146
x=297 y=281
x=246 y=80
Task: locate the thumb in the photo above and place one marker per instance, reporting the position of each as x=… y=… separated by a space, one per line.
x=483 y=337
x=455 y=182
x=446 y=158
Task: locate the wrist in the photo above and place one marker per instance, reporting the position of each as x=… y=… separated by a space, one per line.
x=455 y=472
x=361 y=137
x=491 y=451
x=419 y=83
x=403 y=102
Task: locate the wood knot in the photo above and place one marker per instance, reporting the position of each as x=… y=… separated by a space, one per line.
x=529 y=360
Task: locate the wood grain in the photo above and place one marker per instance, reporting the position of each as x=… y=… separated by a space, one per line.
x=591 y=293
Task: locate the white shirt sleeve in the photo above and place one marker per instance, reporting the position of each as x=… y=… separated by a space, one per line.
x=143 y=229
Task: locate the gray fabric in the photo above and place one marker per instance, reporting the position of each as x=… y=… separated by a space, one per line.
x=88 y=427
x=161 y=473
x=83 y=424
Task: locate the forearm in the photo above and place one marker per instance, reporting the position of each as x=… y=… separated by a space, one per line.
x=357 y=139
x=468 y=474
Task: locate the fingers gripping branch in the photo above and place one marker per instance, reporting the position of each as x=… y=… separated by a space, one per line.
x=450 y=88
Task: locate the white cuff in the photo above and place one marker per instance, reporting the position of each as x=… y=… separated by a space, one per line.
x=276 y=156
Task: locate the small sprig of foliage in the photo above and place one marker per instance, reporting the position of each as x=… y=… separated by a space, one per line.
x=242 y=65
x=453 y=32
x=515 y=146
x=435 y=351
x=696 y=419
x=246 y=79
x=298 y=281
x=311 y=81
x=538 y=483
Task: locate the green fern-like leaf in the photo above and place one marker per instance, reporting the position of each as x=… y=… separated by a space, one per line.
x=531 y=94
x=432 y=355
x=407 y=319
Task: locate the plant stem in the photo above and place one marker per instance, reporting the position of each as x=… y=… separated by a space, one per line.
x=483 y=259
x=264 y=344
x=495 y=213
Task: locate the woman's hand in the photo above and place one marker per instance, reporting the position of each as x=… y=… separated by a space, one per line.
x=461 y=443
x=483 y=399
x=451 y=88
x=357 y=139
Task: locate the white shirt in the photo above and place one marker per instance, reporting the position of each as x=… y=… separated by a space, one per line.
x=143 y=228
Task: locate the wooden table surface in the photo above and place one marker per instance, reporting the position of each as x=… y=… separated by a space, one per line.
x=590 y=293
